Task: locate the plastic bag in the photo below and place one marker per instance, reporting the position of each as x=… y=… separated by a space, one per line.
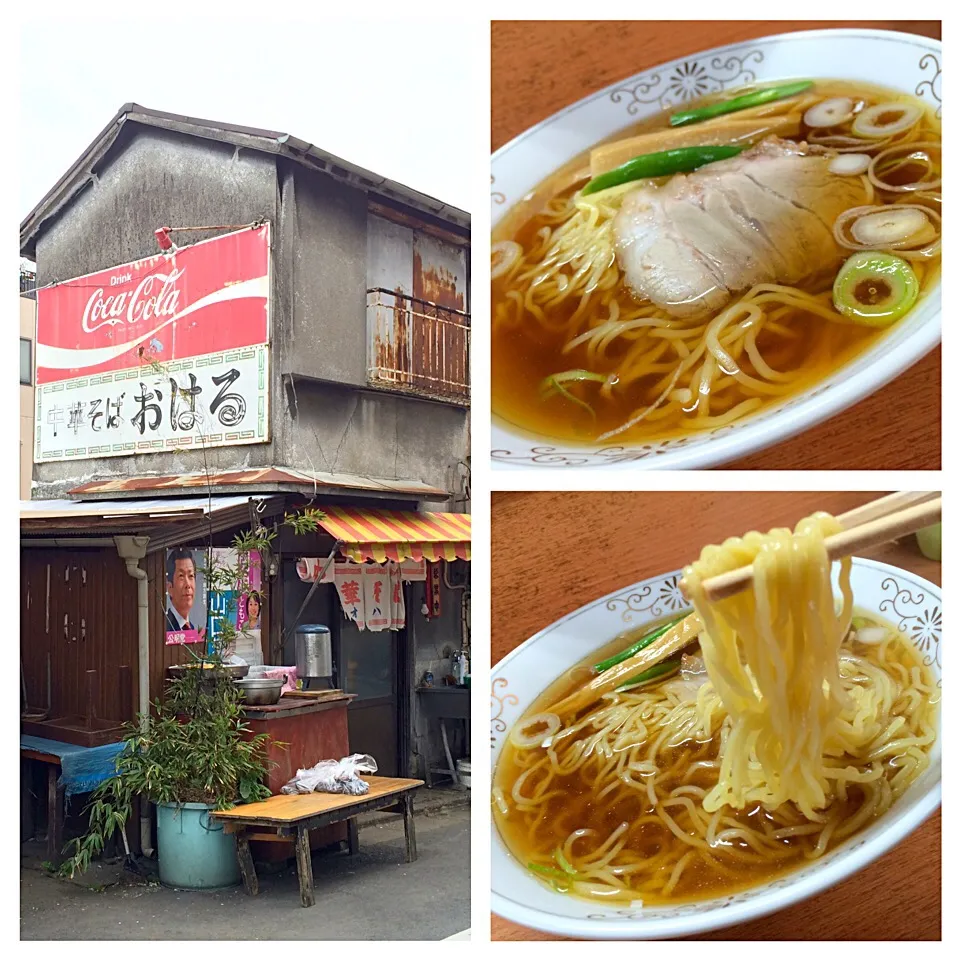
x=334 y=776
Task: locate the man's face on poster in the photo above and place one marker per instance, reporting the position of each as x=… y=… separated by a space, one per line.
x=183 y=587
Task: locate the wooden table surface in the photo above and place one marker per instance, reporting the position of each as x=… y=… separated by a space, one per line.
x=554 y=552
x=538 y=67
x=289 y=807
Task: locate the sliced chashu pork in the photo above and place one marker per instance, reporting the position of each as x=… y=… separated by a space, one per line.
x=765 y=216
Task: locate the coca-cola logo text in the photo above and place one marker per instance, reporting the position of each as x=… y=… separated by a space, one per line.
x=155 y=296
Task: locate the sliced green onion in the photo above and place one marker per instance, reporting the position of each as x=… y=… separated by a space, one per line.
x=883 y=120
x=829 y=113
x=532 y=731
x=874 y=288
x=556 y=878
x=637 y=646
x=555 y=379
x=555 y=384
x=656 y=672
x=565 y=864
x=662 y=164
x=755 y=99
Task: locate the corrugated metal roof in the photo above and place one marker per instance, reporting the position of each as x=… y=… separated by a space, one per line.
x=109 y=509
x=267 y=141
x=267 y=479
x=166 y=522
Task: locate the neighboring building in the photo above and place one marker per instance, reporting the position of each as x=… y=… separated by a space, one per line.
x=28 y=326
x=363 y=392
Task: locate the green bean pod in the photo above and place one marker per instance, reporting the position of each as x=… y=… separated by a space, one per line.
x=637 y=646
x=755 y=99
x=656 y=672
x=662 y=164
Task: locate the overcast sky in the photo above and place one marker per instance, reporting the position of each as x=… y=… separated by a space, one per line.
x=394 y=97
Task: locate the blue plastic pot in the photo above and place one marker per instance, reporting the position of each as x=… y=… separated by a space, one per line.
x=193 y=851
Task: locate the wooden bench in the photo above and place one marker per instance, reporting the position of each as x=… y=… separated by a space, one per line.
x=296 y=815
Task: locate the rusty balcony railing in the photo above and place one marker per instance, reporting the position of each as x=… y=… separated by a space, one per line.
x=415 y=346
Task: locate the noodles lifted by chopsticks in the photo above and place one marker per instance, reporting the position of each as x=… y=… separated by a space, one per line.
x=772 y=653
x=798 y=725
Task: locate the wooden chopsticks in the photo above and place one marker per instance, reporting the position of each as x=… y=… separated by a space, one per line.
x=884 y=506
x=866 y=527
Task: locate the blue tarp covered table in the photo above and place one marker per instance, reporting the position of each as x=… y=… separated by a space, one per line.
x=81 y=769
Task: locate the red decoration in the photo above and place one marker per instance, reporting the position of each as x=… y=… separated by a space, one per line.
x=201 y=299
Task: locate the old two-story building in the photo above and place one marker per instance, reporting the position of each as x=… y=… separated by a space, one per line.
x=233 y=324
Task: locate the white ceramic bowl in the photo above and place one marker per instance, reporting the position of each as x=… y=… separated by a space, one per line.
x=898 y=60
x=902 y=598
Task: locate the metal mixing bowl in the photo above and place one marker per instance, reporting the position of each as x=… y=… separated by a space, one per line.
x=178 y=669
x=260 y=692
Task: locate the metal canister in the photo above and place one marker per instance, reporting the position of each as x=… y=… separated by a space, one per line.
x=313 y=652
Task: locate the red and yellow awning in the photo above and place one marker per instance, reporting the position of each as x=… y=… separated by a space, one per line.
x=381 y=535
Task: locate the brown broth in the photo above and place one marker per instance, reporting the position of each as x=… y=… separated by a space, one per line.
x=576 y=804
x=523 y=356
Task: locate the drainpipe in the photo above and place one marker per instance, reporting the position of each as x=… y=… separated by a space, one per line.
x=464 y=627
x=132 y=550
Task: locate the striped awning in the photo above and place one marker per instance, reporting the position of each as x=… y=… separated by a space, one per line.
x=381 y=535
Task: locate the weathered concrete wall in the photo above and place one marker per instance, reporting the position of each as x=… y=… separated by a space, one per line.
x=435 y=641
x=329 y=329
x=345 y=430
x=152 y=178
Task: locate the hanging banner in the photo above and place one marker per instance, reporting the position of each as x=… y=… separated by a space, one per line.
x=167 y=353
x=371 y=595
x=433 y=591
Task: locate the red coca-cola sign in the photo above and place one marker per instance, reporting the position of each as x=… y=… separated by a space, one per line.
x=209 y=297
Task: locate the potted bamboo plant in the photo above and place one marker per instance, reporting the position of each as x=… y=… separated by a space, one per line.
x=194 y=754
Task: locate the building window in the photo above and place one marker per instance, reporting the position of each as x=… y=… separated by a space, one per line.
x=26 y=361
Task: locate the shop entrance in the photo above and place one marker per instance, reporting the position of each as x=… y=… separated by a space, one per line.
x=369 y=668
x=365 y=663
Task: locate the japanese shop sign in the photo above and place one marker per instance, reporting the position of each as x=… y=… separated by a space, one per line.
x=166 y=353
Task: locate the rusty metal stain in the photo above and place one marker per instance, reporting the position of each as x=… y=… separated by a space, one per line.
x=439 y=348
x=263 y=476
x=240 y=477
x=452 y=236
x=401 y=334
x=392 y=333
x=417 y=311
x=436 y=284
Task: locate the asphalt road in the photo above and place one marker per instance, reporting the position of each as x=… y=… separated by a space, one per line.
x=372 y=896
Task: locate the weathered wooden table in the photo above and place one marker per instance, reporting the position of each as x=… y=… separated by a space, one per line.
x=55 y=801
x=70 y=769
x=296 y=815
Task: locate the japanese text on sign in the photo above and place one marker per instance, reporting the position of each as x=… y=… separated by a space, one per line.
x=209 y=401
